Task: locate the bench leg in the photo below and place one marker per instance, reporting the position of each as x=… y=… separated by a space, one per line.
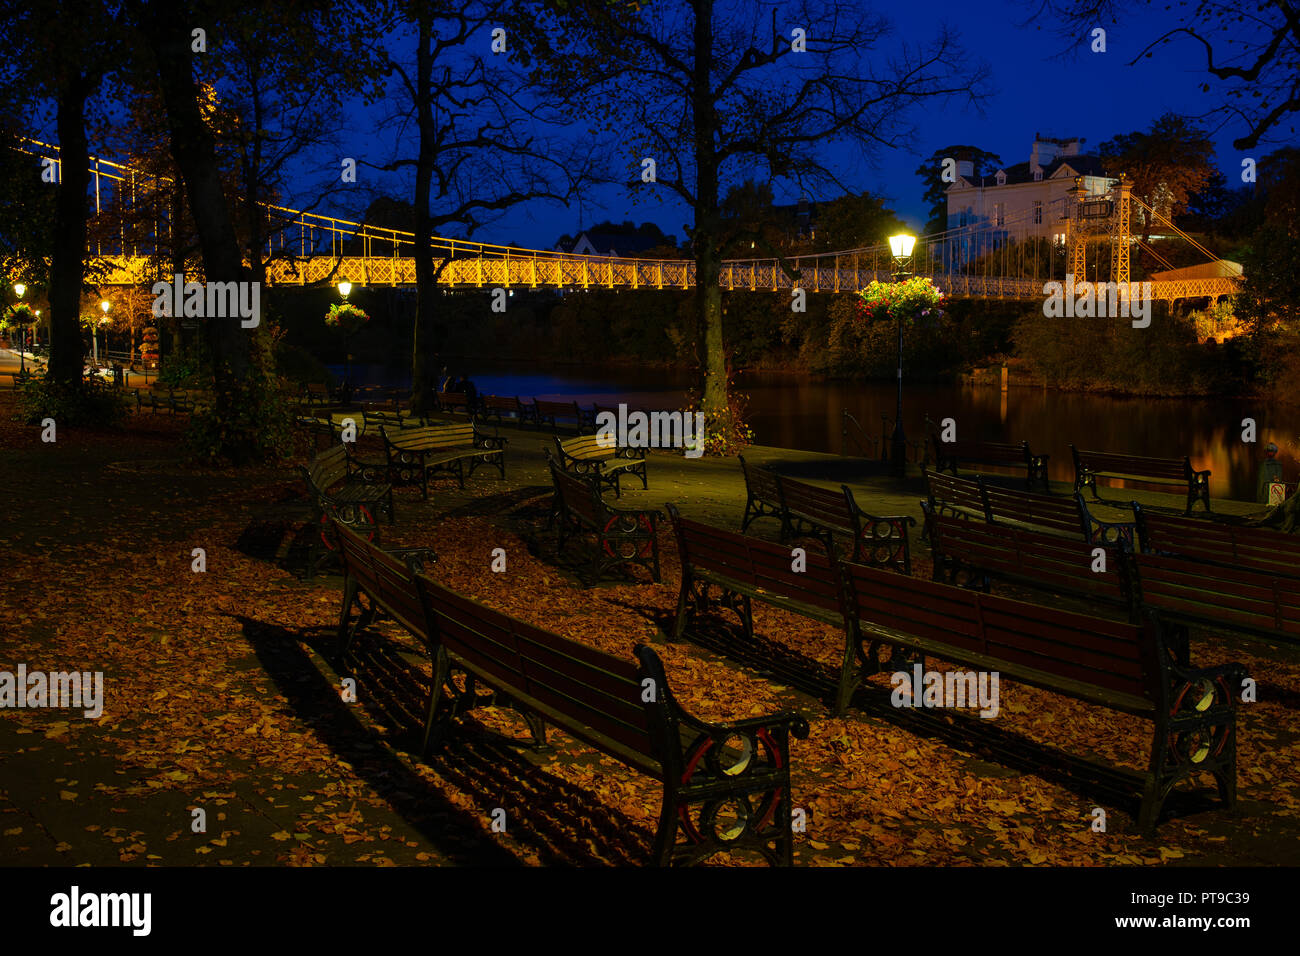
x=433 y=733
x=537 y=728
x=679 y=622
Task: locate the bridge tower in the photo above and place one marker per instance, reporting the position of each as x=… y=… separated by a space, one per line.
x=1120 y=231
x=1076 y=234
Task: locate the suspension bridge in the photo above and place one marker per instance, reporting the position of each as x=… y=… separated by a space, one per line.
x=1005 y=257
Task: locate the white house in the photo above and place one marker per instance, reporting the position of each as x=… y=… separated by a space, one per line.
x=1029 y=199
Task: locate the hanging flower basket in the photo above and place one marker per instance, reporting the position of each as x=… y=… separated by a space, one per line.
x=912 y=299
x=345 y=316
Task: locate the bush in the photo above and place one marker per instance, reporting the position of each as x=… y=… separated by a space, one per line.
x=84 y=404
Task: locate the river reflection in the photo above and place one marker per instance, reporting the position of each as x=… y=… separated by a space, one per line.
x=794 y=411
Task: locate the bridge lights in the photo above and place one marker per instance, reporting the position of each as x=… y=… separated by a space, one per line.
x=900 y=247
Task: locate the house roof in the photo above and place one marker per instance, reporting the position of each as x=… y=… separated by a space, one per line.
x=1021 y=173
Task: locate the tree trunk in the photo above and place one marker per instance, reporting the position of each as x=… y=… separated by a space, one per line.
x=708 y=293
x=424 y=358
x=67 y=257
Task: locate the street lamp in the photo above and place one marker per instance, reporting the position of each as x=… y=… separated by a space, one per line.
x=104 y=306
x=19 y=289
x=900 y=247
x=345 y=287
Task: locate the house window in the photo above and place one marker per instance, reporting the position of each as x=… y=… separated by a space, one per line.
x=1038 y=175
x=1038 y=212
x=1002 y=178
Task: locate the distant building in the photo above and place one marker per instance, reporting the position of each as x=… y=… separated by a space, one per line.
x=1030 y=198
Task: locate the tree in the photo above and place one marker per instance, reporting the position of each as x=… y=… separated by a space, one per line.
x=853 y=222
x=477 y=146
x=719 y=91
x=1166 y=165
x=61 y=68
x=936 y=189
x=1253 y=53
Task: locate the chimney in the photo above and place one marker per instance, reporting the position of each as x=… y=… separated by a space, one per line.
x=966 y=167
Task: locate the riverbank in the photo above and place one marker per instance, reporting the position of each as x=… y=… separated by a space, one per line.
x=222 y=689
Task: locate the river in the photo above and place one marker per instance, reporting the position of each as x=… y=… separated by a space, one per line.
x=797 y=411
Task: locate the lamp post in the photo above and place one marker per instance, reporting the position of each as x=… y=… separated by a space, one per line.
x=19 y=289
x=900 y=247
x=104 y=306
x=345 y=287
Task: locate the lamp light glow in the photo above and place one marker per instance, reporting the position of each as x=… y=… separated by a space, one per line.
x=345 y=287
x=19 y=289
x=900 y=246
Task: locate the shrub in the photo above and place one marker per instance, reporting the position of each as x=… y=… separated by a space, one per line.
x=83 y=404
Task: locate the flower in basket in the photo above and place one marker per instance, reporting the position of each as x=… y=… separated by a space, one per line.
x=910 y=299
x=346 y=316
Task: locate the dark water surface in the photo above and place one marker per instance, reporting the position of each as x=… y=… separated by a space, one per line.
x=796 y=411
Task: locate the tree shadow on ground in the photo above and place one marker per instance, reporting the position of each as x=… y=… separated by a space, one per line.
x=545 y=814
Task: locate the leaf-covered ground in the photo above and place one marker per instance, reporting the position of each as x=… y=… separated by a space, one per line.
x=222 y=694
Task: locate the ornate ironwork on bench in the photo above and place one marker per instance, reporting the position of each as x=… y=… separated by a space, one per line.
x=623 y=536
x=347 y=491
x=1091 y=465
x=1115 y=664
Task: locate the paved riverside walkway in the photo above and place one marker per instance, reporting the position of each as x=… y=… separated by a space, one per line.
x=222 y=691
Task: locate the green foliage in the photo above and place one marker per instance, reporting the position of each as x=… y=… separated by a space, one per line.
x=936 y=190
x=188 y=368
x=346 y=316
x=84 y=404
x=726 y=430
x=1108 y=354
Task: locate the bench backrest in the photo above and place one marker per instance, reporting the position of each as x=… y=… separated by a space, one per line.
x=1256 y=549
x=585 y=447
x=328 y=467
x=591 y=694
x=432 y=437
x=509 y=403
x=1061 y=565
x=1235 y=597
x=824 y=507
x=757 y=564
x=1074 y=653
x=389 y=582
x=1100 y=462
x=1046 y=511
x=556 y=409
x=760 y=483
x=580 y=495
x=955 y=492
x=1015 y=453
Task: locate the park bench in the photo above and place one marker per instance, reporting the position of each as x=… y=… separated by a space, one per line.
x=627 y=711
x=342 y=489
x=416 y=453
x=822 y=513
x=153 y=398
x=950 y=495
x=979 y=550
x=1091 y=465
x=622 y=535
x=585 y=455
x=316 y=393
x=450 y=401
x=762 y=496
x=621 y=709
x=501 y=407
x=745 y=570
x=1247 y=601
x=1115 y=664
x=1194 y=539
x=948 y=455
x=542 y=412
x=1067 y=516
